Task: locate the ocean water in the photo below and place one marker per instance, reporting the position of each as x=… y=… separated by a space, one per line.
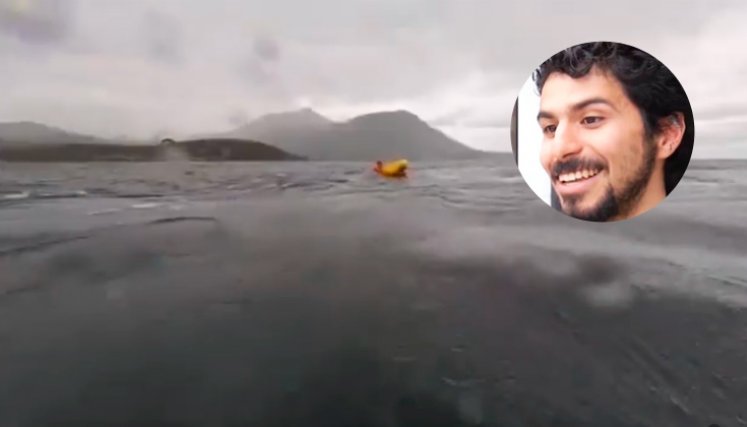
x=317 y=294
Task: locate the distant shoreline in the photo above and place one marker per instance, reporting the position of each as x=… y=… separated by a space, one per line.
x=204 y=150
x=293 y=135
x=194 y=150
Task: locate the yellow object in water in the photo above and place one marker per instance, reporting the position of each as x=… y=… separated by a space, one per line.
x=396 y=168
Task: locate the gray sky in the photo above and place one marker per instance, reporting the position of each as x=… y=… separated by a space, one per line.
x=147 y=67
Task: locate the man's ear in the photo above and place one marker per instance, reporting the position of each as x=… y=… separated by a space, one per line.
x=669 y=137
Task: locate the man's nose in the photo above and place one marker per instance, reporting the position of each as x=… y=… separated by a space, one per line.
x=566 y=141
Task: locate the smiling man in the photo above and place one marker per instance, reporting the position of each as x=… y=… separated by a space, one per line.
x=617 y=130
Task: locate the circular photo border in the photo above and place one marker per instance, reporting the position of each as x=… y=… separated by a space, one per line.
x=602 y=131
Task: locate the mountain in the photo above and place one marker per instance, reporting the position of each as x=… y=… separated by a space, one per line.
x=382 y=135
x=299 y=119
x=29 y=133
x=288 y=131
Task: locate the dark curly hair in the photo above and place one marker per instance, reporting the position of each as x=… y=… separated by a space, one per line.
x=648 y=83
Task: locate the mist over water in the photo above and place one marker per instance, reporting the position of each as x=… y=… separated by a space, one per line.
x=316 y=294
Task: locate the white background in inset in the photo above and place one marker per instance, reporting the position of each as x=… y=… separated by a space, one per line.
x=530 y=142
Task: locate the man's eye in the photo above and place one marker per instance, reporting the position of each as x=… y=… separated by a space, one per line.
x=591 y=120
x=549 y=129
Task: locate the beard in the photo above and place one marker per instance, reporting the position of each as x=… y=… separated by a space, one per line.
x=623 y=202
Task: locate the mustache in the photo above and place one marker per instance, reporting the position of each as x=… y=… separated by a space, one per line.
x=575 y=164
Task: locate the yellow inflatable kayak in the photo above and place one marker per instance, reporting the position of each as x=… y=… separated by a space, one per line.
x=396 y=168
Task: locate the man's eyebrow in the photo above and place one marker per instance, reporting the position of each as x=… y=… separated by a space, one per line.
x=578 y=106
x=585 y=103
x=544 y=115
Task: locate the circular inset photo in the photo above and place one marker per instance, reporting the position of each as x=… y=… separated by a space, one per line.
x=602 y=131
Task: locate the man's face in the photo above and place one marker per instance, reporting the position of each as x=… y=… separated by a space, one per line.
x=594 y=148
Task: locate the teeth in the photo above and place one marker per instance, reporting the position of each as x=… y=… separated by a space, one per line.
x=575 y=176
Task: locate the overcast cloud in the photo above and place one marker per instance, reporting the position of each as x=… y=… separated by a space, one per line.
x=144 y=67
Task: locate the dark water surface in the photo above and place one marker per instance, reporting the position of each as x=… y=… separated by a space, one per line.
x=315 y=294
